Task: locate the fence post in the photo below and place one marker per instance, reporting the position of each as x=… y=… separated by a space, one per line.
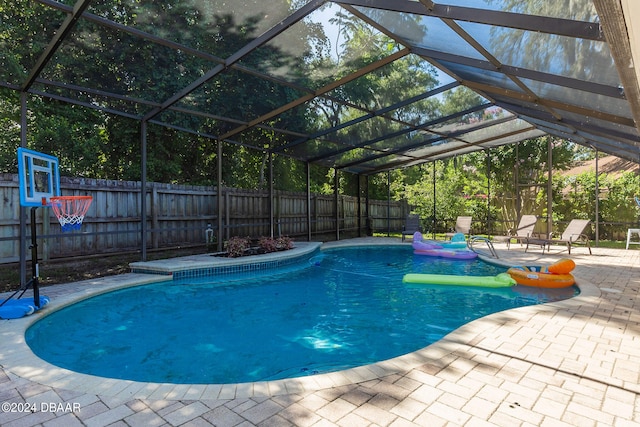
x=315 y=213
x=154 y=217
x=44 y=243
x=227 y=214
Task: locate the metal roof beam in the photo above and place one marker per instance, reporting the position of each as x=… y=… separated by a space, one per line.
x=247 y=49
x=365 y=70
x=133 y=31
x=453 y=135
x=422 y=127
x=578 y=126
x=60 y=35
x=615 y=28
x=378 y=113
x=551 y=104
x=544 y=24
x=609 y=146
x=430 y=157
x=600 y=89
x=89 y=105
x=96 y=92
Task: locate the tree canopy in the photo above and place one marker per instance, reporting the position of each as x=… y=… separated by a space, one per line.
x=90 y=142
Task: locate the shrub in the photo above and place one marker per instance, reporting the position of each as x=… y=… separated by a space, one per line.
x=268 y=244
x=236 y=246
x=284 y=242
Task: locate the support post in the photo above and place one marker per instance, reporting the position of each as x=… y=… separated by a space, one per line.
x=433 y=220
x=220 y=199
x=308 y=201
x=549 y=188
x=388 y=203
x=516 y=184
x=358 y=202
x=271 y=204
x=23 y=211
x=143 y=190
x=597 y=201
x=337 y=202
x=489 y=221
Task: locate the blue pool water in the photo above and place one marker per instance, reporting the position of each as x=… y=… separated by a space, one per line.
x=340 y=309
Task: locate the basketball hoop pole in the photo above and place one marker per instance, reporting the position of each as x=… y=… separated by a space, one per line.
x=34 y=260
x=34 y=266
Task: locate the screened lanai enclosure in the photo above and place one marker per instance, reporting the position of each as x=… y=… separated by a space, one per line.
x=360 y=86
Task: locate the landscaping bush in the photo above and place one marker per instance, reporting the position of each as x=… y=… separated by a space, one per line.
x=236 y=246
x=268 y=244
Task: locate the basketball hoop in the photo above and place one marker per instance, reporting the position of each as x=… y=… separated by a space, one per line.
x=70 y=210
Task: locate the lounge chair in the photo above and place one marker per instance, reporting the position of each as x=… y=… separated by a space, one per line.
x=463 y=225
x=523 y=231
x=411 y=225
x=574 y=233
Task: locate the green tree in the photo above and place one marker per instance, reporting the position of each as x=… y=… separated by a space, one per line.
x=94 y=143
x=575 y=198
x=9 y=130
x=522 y=48
x=74 y=134
x=523 y=168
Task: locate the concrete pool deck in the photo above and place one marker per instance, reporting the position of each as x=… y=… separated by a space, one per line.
x=573 y=363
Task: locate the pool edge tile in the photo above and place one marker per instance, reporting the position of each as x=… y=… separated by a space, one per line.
x=161 y=392
x=227 y=391
x=211 y=392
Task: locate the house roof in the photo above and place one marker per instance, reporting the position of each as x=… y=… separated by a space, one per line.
x=609 y=164
x=519 y=70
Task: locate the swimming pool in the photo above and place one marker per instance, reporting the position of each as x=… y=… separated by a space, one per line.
x=342 y=308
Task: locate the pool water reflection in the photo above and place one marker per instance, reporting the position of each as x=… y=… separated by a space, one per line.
x=341 y=308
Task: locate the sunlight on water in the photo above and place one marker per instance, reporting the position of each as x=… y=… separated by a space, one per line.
x=339 y=309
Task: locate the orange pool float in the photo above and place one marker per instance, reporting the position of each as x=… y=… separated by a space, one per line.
x=557 y=275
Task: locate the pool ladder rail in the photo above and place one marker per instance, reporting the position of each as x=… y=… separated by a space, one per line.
x=474 y=239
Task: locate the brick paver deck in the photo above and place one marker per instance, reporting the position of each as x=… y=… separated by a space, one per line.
x=571 y=363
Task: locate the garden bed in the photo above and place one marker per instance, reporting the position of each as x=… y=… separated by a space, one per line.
x=247 y=246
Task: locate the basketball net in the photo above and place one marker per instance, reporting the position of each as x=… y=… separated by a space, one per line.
x=70 y=210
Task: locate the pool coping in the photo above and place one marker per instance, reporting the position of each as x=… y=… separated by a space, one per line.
x=210 y=264
x=16 y=356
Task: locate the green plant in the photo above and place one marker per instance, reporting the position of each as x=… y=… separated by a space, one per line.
x=236 y=246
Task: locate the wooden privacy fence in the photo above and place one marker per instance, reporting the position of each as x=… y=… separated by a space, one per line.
x=179 y=215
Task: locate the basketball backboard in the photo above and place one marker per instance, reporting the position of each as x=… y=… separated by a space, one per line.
x=39 y=177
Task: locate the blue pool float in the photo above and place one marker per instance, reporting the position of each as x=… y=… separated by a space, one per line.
x=16 y=308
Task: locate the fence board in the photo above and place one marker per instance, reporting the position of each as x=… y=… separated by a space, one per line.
x=178 y=215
